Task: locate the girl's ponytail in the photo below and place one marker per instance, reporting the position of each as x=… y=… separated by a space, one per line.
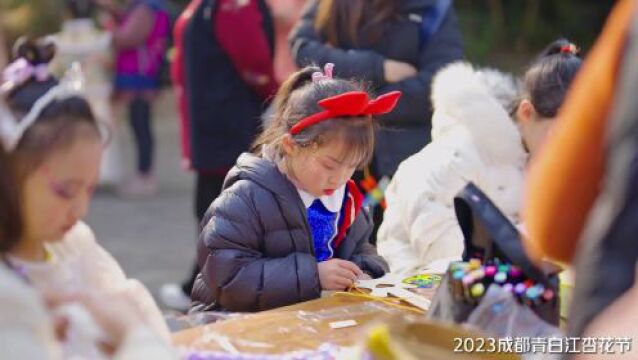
x=560 y=46
x=274 y=130
x=547 y=80
x=294 y=82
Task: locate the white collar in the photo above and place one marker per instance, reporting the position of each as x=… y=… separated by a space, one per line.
x=331 y=202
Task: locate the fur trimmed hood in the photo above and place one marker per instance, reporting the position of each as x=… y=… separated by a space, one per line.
x=477 y=100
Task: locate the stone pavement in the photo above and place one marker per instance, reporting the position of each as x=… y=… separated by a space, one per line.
x=153 y=239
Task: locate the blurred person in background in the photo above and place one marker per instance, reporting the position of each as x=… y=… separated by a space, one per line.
x=140 y=39
x=80 y=40
x=286 y=13
x=224 y=77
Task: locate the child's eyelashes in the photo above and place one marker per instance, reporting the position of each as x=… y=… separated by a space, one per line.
x=63 y=193
x=67 y=190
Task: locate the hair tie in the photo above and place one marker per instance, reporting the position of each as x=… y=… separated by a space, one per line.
x=318 y=76
x=569 y=49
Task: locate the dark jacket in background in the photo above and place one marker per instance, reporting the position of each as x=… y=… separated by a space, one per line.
x=260 y=249
x=407 y=129
x=224 y=110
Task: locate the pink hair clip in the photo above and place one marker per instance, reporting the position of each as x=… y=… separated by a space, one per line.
x=21 y=70
x=326 y=75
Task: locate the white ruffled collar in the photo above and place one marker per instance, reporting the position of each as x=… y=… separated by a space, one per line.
x=332 y=202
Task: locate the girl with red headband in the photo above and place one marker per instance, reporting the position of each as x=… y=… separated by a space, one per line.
x=289 y=222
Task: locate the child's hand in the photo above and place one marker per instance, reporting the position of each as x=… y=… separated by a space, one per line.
x=338 y=274
x=115 y=313
x=364 y=276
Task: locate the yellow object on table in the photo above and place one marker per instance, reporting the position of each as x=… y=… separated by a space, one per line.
x=426 y=339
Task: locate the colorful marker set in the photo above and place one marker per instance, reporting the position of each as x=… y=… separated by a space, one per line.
x=469 y=282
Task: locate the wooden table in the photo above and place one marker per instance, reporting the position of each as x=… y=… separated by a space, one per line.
x=297 y=327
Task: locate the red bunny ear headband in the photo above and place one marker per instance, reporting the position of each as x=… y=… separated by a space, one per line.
x=353 y=103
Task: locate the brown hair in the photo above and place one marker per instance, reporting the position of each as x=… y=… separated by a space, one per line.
x=10 y=217
x=298 y=98
x=58 y=125
x=547 y=80
x=341 y=22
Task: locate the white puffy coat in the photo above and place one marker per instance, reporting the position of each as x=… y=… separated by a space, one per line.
x=473 y=139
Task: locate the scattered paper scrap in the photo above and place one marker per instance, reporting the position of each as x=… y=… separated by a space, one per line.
x=342 y=324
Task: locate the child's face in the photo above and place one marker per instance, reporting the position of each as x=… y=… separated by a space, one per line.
x=319 y=170
x=57 y=193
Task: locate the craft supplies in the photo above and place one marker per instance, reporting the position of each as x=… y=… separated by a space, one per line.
x=474 y=264
x=392 y=302
x=500 y=277
x=470 y=280
x=411 y=298
x=381 y=286
x=425 y=281
x=392 y=285
x=477 y=290
x=490 y=270
x=508 y=287
x=515 y=272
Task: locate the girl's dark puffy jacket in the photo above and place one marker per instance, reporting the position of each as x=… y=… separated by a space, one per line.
x=260 y=253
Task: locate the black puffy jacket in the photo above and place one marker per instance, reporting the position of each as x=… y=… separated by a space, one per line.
x=260 y=250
